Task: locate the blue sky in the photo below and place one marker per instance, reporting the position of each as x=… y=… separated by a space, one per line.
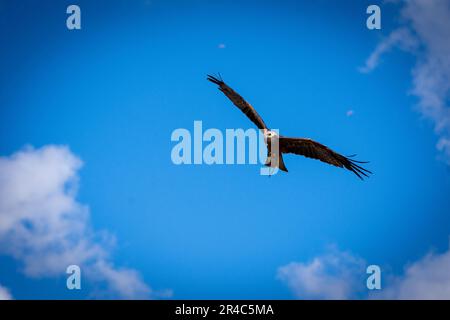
x=114 y=91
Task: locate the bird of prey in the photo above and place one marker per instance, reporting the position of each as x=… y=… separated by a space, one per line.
x=301 y=146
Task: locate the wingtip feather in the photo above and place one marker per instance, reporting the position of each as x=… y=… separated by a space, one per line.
x=358 y=170
x=214 y=79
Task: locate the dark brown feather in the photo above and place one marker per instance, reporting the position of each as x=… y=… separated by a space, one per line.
x=315 y=150
x=239 y=102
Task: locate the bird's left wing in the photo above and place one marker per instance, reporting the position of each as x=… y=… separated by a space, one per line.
x=239 y=102
x=315 y=150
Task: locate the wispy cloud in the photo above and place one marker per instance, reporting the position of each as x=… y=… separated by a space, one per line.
x=333 y=275
x=400 y=38
x=46 y=229
x=5 y=294
x=425 y=32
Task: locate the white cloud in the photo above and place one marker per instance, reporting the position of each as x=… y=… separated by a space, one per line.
x=428 y=278
x=401 y=38
x=443 y=145
x=5 y=294
x=341 y=275
x=44 y=227
x=334 y=275
x=427 y=23
x=125 y=281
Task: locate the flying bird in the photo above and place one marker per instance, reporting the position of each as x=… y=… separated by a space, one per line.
x=301 y=146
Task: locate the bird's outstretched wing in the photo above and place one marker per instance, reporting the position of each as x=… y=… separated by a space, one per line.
x=239 y=102
x=315 y=150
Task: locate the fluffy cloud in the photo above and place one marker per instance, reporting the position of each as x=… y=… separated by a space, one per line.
x=341 y=275
x=46 y=229
x=4 y=293
x=334 y=275
x=425 y=33
x=428 y=278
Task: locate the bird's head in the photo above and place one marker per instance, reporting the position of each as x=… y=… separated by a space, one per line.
x=270 y=134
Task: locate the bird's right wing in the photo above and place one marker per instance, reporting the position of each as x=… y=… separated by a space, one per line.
x=239 y=102
x=312 y=149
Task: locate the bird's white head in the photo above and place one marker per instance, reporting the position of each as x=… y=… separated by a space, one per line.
x=270 y=134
